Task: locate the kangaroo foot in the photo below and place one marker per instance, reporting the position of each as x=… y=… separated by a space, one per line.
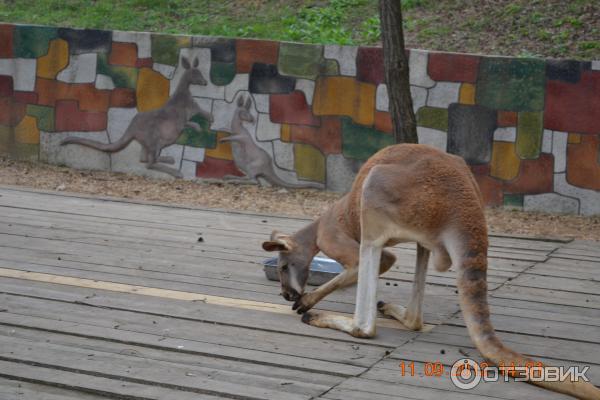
x=166 y=159
x=163 y=168
x=401 y=313
x=337 y=322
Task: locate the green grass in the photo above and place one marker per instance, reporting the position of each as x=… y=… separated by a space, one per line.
x=549 y=28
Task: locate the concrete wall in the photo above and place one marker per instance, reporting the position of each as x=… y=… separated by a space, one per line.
x=529 y=128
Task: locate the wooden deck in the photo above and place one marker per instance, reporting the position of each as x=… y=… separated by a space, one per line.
x=102 y=298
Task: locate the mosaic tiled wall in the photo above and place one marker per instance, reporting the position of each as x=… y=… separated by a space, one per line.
x=529 y=128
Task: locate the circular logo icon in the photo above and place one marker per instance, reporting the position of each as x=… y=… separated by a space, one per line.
x=465 y=374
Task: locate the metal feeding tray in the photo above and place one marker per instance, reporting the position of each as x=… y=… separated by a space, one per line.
x=321 y=270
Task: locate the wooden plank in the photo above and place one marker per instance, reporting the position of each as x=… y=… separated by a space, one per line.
x=199 y=350
x=18 y=390
x=169 y=294
x=368 y=387
x=126 y=367
x=294 y=341
x=96 y=385
x=173 y=355
x=534 y=346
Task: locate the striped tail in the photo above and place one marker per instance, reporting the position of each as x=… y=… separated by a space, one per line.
x=472 y=288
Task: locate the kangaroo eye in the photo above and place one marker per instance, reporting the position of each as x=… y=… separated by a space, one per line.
x=284 y=267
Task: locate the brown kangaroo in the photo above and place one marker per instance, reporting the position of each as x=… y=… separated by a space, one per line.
x=159 y=128
x=406 y=192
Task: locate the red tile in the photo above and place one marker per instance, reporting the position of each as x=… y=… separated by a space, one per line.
x=122 y=97
x=535 y=176
x=250 y=51
x=216 y=168
x=369 y=65
x=327 y=137
x=68 y=117
x=383 y=122
x=123 y=54
x=507 y=118
x=573 y=107
x=6 y=40
x=11 y=111
x=453 y=67
x=6 y=86
x=26 y=97
x=144 y=62
x=291 y=109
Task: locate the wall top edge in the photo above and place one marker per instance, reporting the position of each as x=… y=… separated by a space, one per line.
x=297 y=43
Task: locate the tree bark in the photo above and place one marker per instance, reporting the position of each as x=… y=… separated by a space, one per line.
x=395 y=62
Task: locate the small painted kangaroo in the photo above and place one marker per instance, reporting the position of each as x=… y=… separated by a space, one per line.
x=248 y=156
x=406 y=192
x=159 y=128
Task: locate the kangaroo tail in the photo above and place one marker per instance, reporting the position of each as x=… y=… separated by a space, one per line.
x=472 y=288
x=106 y=147
x=273 y=179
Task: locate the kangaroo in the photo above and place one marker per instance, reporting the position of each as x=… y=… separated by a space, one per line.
x=406 y=192
x=159 y=128
x=253 y=161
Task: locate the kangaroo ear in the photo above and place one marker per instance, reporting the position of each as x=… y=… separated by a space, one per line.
x=196 y=62
x=278 y=242
x=240 y=101
x=185 y=63
x=248 y=103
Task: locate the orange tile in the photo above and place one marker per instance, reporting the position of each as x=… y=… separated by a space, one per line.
x=340 y=95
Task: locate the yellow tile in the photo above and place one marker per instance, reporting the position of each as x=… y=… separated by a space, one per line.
x=505 y=162
x=467 y=94
x=340 y=95
x=152 y=90
x=222 y=151
x=309 y=162
x=27 y=131
x=285 y=133
x=574 y=138
x=57 y=59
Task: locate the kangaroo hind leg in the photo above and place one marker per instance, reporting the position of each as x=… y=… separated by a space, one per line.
x=153 y=163
x=412 y=315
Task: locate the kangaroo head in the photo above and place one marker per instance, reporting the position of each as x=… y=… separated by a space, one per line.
x=293 y=265
x=243 y=110
x=192 y=74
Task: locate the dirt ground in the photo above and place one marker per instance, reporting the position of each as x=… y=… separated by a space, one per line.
x=300 y=202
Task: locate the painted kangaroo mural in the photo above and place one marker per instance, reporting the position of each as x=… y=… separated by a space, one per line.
x=159 y=128
x=248 y=157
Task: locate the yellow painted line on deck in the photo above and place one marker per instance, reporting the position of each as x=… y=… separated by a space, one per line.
x=172 y=294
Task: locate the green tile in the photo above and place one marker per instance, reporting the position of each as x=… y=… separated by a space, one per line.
x=26 y=152
x=300 y=60
x=204 y=138
x=514 y=201
x=32 y=41
x=332 y=67
x=6 y=139
x=44 y=116
x=530 y=129
x=123 y=77
x=511 y=84
x=222 y=74
x=434 y=118
x=361 y=142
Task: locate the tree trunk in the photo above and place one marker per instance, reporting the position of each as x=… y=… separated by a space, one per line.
x=396 y=72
